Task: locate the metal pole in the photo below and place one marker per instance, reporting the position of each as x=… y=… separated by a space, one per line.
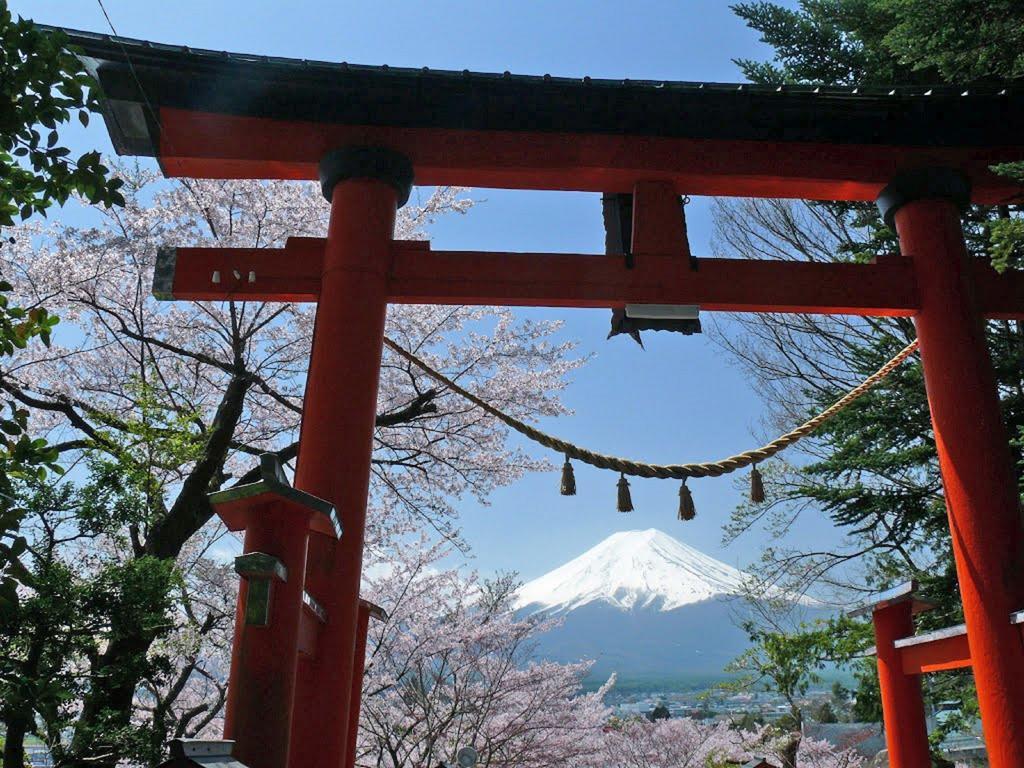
x=980 y=487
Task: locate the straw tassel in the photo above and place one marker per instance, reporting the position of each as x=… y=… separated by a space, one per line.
x=756 y=485
x=687 y=509
x=625 y=501
x=568 y=479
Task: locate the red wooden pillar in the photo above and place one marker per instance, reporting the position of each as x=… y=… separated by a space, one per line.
x=980 y=487
x=366 y=611
x=906 y=731
x=357 y=685
x=277 y=520
x=365 y=187
x=258 y=712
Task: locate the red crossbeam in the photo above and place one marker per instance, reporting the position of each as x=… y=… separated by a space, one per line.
x=246 y=147
x=941 y=650
x=936 y=655
x=420 y=275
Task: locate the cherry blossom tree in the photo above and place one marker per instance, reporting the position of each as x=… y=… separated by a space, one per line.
x=687 y=743
x=816 y=753
x=678 y=743
x=451 y=667
x=182 y=396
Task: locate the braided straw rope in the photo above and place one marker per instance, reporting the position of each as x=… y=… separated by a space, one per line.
x=664 y=471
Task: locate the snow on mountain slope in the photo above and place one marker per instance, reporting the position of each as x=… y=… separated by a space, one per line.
x=632 y=570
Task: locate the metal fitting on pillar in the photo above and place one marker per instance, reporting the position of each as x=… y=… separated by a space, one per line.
x=202 y=753
x=260 y=571
x=923 y=184
x=378 y=163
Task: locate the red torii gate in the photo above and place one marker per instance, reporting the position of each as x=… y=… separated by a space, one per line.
x=903 y=657
x=365 y=132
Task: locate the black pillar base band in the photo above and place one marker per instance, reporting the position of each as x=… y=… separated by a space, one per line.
x=367 y=163
x=923 y=184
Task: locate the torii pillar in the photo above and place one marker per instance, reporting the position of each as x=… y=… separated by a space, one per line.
x=980 y=486
x=278 y=522
x=906 y=729
x=365 y=187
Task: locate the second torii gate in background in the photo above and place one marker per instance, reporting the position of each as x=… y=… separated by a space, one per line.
x=366 y=132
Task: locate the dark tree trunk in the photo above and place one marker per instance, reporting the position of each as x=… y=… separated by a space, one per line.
x=107 y=708
x=19 y=713
x=794 y=737
x=14 y=744
x=98 y=741
x=790 y=750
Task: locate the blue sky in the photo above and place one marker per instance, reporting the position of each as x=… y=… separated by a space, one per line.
x=681 y=399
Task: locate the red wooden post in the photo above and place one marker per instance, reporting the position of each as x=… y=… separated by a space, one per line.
x=366 y=611
x=906 y=731
x=980 y=487
x=258 y=713
x=357 y=684
x=277 y=520
x=365 y=187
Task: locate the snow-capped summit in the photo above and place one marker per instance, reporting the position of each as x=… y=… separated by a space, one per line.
x=632 y=570
x=647 y=607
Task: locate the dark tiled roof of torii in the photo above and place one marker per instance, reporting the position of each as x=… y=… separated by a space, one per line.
x=342 y=93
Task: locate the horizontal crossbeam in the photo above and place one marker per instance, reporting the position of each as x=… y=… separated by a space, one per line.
x=943 y=649
x=194 y=143
x=937 y=651
x=215 y=114
x=420 y=275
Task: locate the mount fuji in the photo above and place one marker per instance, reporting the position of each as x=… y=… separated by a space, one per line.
x=643 y=605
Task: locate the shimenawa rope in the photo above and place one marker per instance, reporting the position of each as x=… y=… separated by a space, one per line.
x=663 y=471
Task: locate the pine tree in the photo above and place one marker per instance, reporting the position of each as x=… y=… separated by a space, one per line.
x=873 y=469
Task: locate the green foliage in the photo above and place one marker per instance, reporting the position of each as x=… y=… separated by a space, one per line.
x=876 y=474
x=43 y=87
x=827 y=42
x=749 y=721
x=1007 y=232
x=881 y=42
x=21 y=455
x=57 y=639
x=787 y=663
x=867 y=705
x=33 y=674
x=18 y=326
x=74 y=649
x=963 y=40
x=825 y=714
x=1007 y=244
x=790 y=662
x=133 y=595
x=128 y=479
x=660 y=712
